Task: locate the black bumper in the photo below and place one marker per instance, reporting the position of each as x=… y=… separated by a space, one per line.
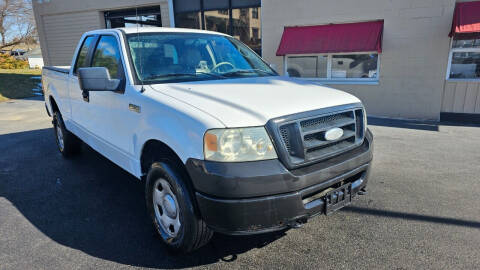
x=262 y=196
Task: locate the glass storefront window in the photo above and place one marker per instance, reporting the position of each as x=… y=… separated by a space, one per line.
x=464 y=59
x=354 y=66
x=149 y=16
x=308 y=66
x=247 y=29
x=466 y=43
x=217 y=21
x=188 y=20
x=362 y=66
x=238 y=18
x=465 y=65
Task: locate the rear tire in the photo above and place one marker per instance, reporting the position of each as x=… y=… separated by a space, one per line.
x=68 y=144
x=172 y=211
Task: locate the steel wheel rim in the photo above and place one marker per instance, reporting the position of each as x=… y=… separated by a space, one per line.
x=60 y=137
x=165 y=204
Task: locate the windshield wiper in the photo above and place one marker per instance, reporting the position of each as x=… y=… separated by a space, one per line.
x=158 y=76
x=182 y=75
x=211 y=74
x=244 y=71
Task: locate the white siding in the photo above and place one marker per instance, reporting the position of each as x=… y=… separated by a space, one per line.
x=461 y=97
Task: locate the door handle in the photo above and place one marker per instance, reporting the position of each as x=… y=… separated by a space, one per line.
x=86 y=96
x=134 y=108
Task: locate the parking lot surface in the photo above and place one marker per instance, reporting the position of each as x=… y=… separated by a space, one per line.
x=422 y=210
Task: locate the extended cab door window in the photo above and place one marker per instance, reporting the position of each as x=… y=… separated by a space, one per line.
x=107 y=54
x=82 y=58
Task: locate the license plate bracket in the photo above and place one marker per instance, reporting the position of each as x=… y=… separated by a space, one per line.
x=338 y=198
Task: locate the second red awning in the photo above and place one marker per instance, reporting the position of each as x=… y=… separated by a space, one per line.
x=332 y=38
x=466 y=19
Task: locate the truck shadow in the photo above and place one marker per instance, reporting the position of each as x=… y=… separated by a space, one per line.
x=15 y=86
x=89 y=204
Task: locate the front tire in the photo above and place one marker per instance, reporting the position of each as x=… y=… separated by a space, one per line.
x=68 y=144
x=172 y=211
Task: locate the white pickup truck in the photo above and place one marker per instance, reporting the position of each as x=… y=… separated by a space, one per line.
x=222 y=142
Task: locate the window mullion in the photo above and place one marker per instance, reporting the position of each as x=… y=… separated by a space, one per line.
x=329 y=67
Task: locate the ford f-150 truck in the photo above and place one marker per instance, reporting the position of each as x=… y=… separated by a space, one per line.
x=223 y=143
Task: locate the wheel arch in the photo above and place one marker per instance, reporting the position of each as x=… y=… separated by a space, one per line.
x=53 y=104
x=157 y=151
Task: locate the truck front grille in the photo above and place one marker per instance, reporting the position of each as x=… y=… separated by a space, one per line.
x=302 y=139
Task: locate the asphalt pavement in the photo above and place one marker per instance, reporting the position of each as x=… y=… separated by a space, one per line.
x=422 y=210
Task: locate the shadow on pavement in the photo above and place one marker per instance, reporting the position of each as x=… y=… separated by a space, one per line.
x=410 y=216
x=89 y=204
x=409 y=124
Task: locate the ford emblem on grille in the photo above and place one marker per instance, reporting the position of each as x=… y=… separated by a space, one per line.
x=333 y=134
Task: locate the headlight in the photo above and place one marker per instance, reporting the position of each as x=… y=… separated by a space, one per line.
x=238 y=144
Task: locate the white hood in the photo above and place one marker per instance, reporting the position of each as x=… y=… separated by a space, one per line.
x=253 y=101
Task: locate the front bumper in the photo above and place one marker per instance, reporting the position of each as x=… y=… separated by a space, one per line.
x=262 y=196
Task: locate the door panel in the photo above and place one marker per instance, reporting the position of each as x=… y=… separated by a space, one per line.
x=80 y=109
x=104 y=119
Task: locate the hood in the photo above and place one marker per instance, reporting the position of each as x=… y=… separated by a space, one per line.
x=253 y=101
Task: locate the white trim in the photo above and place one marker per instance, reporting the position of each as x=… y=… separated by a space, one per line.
x=171 y=13
x=449 y=65
x=329 y=79
x=464 y=80
x=329 y=67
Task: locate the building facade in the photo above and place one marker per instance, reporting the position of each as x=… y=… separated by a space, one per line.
x=402 y=58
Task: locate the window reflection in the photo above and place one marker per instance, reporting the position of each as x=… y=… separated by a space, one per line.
x=466 y=43
x=465 y=65
x=354 y=66
x=188 y=20
x=465 y=57
x=149 y=16
x=217 y=21
x=241 y=20
x=247 y=28
x=307 y=66
x=107 y=55
x=334 y=66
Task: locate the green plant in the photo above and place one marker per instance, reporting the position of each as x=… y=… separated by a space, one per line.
x=9 y=62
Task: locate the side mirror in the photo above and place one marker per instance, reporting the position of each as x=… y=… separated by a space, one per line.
x=97 y=79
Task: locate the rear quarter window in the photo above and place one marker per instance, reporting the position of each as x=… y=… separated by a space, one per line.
x=82 y=60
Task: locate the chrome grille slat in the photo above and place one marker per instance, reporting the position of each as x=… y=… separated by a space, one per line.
x=303 y=139
x=322 y=123
x=285 y=137
x=312 y=143
x=324 y=128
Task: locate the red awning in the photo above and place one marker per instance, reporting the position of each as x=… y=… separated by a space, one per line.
x=466 y=18
x=332 y=38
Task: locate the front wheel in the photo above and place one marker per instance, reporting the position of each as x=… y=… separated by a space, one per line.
x=172 y=211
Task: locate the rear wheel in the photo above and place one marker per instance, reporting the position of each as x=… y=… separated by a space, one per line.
x=68 y=144
x=172 y=211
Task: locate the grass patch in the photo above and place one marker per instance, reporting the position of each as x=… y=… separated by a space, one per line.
x=17 y=83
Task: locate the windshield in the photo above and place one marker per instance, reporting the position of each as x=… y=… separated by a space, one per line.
x=181 y=57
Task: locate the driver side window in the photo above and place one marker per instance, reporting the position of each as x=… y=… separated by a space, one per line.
x=107 y=54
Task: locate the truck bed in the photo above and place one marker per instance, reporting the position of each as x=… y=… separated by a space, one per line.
x=62 y=69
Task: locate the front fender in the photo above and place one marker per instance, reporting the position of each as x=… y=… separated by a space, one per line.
x=176 y=124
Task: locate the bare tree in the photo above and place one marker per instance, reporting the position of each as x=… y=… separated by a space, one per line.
x=17 y=23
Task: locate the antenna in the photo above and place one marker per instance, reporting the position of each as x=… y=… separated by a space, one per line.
x=141 y=49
